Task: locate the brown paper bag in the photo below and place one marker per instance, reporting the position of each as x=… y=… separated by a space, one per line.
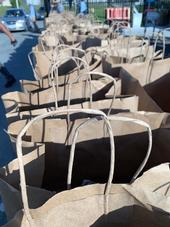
x=158 y=90
x=33 y=158
x=13 y=201
x=129 y=42
x=120 y=55
x=131 y=142
x=149 y=71
x=43 y=60
x=124 y=209
x=68 y=76
x=107 y=205
x=131 y=85
x=77 y=92
x=120 y=104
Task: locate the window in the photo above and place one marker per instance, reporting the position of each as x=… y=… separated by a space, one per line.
x=14 y=13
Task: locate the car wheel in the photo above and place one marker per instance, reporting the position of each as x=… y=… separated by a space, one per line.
x=28 y=27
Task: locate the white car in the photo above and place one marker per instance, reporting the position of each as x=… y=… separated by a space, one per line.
x=16 y=20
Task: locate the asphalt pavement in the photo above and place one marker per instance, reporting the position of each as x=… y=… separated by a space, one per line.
x=16 y=60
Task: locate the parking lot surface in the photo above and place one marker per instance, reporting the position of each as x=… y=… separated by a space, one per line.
x=16 y=60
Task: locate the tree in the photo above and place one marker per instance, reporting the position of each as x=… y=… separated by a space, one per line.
x=13 y=3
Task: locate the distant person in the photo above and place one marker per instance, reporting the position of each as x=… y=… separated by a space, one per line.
x=9 y=77
x=60 y=7
x=70 y=2
x=83 y=7
x=32 y=4
x=47 y=6
x=56 y=5
x=150 y=13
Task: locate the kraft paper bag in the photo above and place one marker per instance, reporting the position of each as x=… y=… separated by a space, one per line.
x=34 y=157
x=149 y=71
x=96 y=204
x=46 y=99
x=131 y=143
x=45 y=59
x=128 y=42
x=13 y=202
x=68 y=76
x=84 y=206
x=120 y=104
x=79 y=92
x=130 y=85
x=158 y=90
x=120 y=55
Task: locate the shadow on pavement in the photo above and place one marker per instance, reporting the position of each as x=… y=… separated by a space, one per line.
x=19 y=66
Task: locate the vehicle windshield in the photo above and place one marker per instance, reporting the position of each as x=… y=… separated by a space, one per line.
x=14 y=13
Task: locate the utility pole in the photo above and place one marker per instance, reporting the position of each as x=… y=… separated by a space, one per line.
x=87 y=6
x=131 y=13
x=17 y=3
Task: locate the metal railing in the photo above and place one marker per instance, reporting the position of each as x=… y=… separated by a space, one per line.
x=97 y=8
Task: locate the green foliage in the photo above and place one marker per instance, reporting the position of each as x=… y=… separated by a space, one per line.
x=13 y=3
x=3 y=10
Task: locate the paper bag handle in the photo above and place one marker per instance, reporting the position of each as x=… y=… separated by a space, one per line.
x=112 y=159
x=111 y=118
x=159 y=34
x=154 y=56
x=114 y=83
x=20 y=155
x=50 y=33
x=89 y=80
x=144 y=124
x=36 y=76
x=54 y=78
x=72 y=151
x=67 y=47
